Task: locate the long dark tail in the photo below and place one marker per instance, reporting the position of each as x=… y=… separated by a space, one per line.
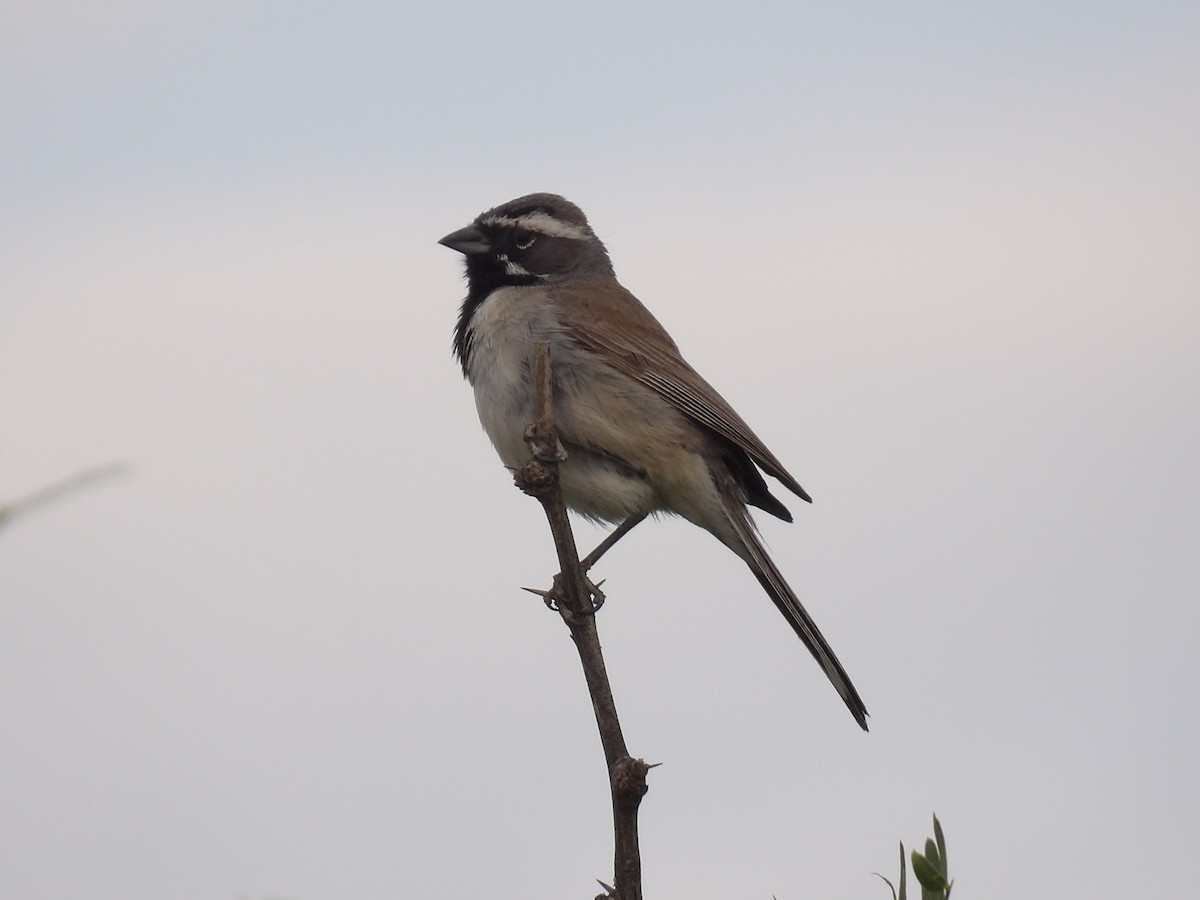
x=755 y=555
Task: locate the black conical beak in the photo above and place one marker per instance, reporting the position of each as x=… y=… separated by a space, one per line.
x=469 y=240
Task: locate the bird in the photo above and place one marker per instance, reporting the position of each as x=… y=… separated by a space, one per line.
x=644 y=433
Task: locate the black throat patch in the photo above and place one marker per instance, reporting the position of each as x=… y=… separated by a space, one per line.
x=484 y=275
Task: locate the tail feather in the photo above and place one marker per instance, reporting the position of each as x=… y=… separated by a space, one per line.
x=760 y=563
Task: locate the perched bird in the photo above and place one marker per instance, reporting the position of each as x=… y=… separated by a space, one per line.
x=644 y=433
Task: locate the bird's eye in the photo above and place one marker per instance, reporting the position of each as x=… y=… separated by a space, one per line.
x=524 y=240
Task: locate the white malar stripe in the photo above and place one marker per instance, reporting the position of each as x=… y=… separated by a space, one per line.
x=542 y=223
x=513 y=268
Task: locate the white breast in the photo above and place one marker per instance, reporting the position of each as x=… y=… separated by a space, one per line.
x=499 y=368
x=603 y=415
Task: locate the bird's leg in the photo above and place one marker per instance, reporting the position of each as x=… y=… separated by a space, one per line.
x=607 y=544
x=550 y=597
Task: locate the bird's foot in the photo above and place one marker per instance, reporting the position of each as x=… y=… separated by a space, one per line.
x=552 y=597
x=543 y=442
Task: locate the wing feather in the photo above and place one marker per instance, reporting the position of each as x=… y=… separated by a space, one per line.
x=610 y=321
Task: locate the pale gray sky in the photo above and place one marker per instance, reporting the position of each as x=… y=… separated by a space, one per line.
x=944 y=260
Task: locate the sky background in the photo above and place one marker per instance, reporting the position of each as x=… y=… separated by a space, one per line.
x=944 y=258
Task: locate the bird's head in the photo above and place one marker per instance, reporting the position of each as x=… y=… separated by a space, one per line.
x=535 y=238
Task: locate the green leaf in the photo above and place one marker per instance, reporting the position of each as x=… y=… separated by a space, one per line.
x=885 y=881
x=941 y=845
x=903 y=873
x=931 y=879
x=931 y=854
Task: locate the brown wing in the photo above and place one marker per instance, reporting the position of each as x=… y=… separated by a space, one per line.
x=609 y=320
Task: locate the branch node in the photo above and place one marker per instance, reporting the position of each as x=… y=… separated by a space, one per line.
x=543 y=442
x=629 y=779
x=537 y=479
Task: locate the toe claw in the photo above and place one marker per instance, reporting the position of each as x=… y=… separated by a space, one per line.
x=550 y=597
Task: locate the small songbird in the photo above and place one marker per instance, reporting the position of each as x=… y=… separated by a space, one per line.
x=643 y=432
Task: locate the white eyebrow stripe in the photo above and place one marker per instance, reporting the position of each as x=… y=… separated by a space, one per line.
x=542 y=223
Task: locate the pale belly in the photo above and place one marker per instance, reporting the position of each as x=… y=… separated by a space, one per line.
x=615 y=430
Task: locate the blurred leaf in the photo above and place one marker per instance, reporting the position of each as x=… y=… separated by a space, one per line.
x=58 y=489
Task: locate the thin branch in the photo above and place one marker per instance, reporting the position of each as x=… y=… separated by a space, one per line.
x=573 y=596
